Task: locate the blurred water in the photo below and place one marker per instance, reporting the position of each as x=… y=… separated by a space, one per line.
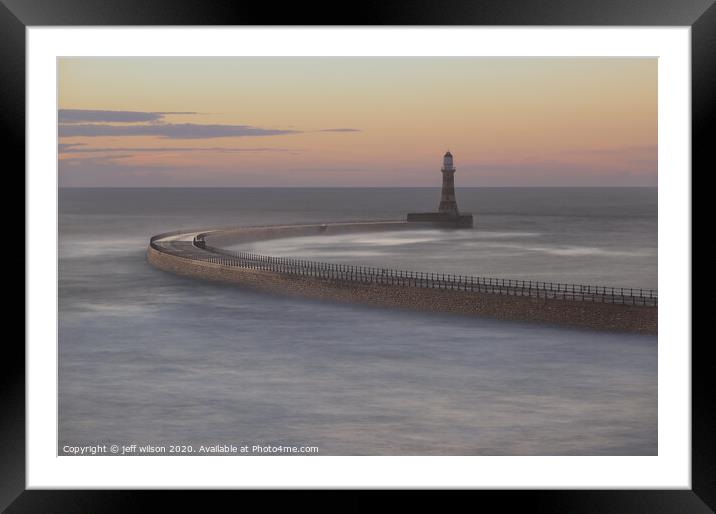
x=148 y=357
x=553 y=255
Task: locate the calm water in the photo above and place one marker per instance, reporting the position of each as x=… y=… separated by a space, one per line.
x=148 y=357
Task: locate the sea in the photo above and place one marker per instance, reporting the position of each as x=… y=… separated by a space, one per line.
x=150 y=358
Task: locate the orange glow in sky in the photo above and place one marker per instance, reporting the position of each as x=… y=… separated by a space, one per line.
x=373 y=121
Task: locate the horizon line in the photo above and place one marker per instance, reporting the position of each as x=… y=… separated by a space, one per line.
x=356 y=187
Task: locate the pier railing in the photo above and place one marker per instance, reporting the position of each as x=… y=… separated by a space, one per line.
x=374 y=275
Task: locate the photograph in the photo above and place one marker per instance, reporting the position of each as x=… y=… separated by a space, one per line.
x=357 y=256
x=415 y=248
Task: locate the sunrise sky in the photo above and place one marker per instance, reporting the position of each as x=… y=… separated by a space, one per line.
x=185 y=122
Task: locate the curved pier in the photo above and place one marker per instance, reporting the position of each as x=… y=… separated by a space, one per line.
x=199 y=254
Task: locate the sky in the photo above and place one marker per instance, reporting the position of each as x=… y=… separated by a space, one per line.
x=356 y=121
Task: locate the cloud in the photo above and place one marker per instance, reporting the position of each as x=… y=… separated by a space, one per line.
x=102 y=116
x=98 y=123
x=67 y=147
x=94 y=162
x=626 y=165
x=72 y=148
x=169 y=131
x=620 y=151
x=557 y=173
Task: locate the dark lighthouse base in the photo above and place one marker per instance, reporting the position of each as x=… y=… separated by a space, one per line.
x=442 y=219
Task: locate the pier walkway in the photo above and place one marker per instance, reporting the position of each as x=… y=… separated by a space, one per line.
x=192 y=245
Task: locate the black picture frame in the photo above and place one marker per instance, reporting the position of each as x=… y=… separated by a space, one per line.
x=16 y=15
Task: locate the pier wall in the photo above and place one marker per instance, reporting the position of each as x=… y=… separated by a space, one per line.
x=249 y=234
x=599 y=316
x=442 y=219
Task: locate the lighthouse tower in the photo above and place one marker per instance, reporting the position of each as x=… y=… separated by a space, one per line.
x=447 y=215
x=448 y=205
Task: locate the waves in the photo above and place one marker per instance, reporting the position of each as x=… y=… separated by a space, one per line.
x=564 y=254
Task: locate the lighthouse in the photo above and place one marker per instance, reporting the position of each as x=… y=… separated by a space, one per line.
x=447 y=214
x=448 y=204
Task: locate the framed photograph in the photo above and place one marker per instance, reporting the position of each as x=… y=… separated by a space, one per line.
x=269 y=250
